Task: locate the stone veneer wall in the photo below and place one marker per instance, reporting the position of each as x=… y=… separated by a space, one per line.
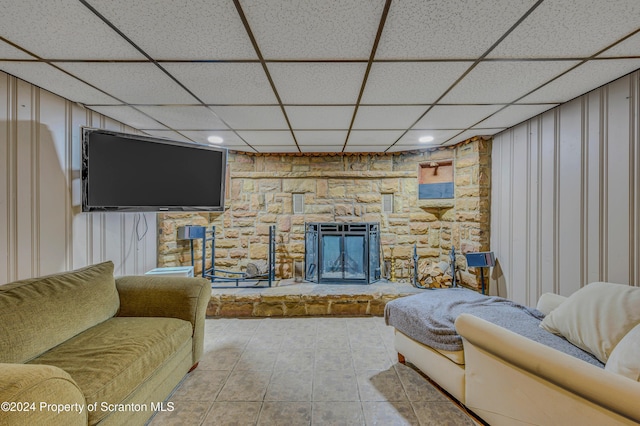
x=343 y=188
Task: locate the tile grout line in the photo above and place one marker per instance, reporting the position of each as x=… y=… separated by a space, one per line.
x=359 y=333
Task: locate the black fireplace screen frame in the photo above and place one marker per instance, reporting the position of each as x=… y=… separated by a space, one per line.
x=357 y=259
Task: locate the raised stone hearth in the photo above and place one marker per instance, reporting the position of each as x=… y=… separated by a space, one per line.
x=290 y=299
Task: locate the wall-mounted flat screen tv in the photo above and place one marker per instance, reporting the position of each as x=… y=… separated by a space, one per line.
x=125 y=172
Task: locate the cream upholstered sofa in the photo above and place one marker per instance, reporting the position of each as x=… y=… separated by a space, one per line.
x=508 y=379
x=83 y=347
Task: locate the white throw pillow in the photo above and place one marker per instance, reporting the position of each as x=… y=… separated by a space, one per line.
x=548 y=302
x=625 y=357
x=596 y=317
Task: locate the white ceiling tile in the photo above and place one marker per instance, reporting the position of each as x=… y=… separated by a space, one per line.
x=416 y=147
x=276 y=148
x=321 y=148
x=455 y=116
x=374 y=137
x=240 y=148
x=570 y=29
x=319 y=117
x=129 y=116
x=7 y=51
x=69 y=31
x=205 y=29
x=268 y=137
x=184 y=117
x=56 y=81
x=318 y=83
x=321 y=137
x=387 y=117
x=369 y=148
x=225 y=83
x=229 y=137
x=167 y=134
x=504 y=81
x=134 y=83
x=439 y=136
x=319 y=97
x=252 y=117
x=629 y=47
x=468 y=134
x=512 y=115
x=410 y=83
x=311 y=29
x=446 y=29
x=583 y=79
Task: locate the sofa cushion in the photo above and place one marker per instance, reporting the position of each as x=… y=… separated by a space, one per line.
x=625 y=357
x=112 y=359
x=37 y=314
x=596 y=317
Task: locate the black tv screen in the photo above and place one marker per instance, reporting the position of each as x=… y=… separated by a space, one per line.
x=128 y=172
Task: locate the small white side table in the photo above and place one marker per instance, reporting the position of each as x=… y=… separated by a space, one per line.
x=172 y=271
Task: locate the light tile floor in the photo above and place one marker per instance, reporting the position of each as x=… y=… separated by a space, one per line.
x=305 y=371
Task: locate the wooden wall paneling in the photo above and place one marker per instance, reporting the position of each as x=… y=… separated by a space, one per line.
x=97 y=219
x=53 y=208
x=569 y=187
x=42 y=228
x=635 y=128
x=6 y=266
x=130 y=243
x=618 y=157
x=593 y=191
x=506 y=215
x=533 y=212
x=548 y=202
x=150 y=253
x=519 y=226
x=68 y=194
x=26 y=178
x=113 y=241
x=496 y=213
x=81 y=223
x=582 y=186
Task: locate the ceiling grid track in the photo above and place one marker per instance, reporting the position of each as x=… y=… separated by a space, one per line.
x=312 y=77
x=161 y=68
x=582 y=62
x=475 y=64
x=383 y=19
x=50 y=63
x=245 y=22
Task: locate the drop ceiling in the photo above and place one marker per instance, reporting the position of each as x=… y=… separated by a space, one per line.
x=320 y=76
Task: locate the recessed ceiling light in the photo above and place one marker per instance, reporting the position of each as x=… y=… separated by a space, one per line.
x=215 y=139
x=425 y=139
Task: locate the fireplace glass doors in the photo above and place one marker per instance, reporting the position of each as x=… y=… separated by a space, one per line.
x=342 y=253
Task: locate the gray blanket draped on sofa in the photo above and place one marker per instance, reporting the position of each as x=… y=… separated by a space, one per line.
x=429 y=319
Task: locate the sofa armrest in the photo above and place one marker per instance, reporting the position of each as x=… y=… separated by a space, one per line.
x=610 y=391
x=40 y=394
x=170 y=297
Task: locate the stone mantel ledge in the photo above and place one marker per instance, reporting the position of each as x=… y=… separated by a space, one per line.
x=347 y=174
x=437 y=204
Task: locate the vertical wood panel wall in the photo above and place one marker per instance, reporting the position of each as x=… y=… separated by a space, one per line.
x=566 y=195
x=42 y=230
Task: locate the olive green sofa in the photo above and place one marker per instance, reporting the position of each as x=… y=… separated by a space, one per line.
x=82 y=347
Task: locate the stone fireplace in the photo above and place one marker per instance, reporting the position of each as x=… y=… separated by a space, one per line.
x=342 y=253
x=395 y=191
